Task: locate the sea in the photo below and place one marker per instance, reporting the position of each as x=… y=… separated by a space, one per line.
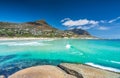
x=16 y=55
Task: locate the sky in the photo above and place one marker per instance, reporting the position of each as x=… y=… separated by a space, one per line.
x=101 y=18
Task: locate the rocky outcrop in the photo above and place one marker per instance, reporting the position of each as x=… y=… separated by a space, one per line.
x=45 y=71
x=88 y=71
x=64 y=70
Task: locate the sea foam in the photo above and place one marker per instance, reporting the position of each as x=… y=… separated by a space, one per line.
x=103 y=67
x=35 y=43
x=115 y=62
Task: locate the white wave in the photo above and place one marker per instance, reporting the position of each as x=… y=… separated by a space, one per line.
x=103 y=67
x=115 y=62
x=111 y=61
x=24 y=44
x=49 y=40
x=7 y=43
x=76 y=53
x=68 y=46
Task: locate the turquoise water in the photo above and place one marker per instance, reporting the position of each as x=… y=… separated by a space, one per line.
x=16 y=55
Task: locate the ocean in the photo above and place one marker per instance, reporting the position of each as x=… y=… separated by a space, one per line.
x=19 y=54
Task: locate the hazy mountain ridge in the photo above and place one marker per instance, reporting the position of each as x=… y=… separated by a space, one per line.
x=38 y=28
x=79 y=31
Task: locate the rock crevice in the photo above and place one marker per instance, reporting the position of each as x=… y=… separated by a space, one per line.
x=71 y=72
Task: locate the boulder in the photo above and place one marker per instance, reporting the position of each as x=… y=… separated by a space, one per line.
x=45 y=71
x=88 y=71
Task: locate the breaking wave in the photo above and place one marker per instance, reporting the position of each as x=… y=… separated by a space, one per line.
x=103 y=67
x=24 y=43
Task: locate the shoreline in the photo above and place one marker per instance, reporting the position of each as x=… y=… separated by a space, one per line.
x=89 y=71
x=41 y=38
x=23 y=38
x=96 y=66
x=110 y=69
x=71 y=69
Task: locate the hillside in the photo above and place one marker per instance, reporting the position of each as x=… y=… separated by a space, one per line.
x=79 y=31
x=38 y=28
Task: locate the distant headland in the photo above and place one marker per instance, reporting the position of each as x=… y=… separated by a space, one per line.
x=39 y=29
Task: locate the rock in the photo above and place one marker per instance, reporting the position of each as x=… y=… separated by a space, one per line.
x=90 y=72
x=64 y=70
x=71 y=72
x=45 y=71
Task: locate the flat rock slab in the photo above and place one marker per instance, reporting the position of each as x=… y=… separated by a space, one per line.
x=45 y=71
x=90 y=72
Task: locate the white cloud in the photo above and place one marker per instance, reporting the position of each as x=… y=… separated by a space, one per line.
x=113 y=20
x=65 y=19
x=86 y=27
x=93 y=22
x=103 y=28
x=88 y=24
x=81 y=23
x=102 y=21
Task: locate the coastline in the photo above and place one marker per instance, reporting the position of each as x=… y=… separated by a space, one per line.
x=39 y=38
x=69 y=70
x=86 y=64
x=110 y=69
x=89 y=71
x=23 y=38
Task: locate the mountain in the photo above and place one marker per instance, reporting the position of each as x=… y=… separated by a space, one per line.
x=38 y=28
x=79 y=31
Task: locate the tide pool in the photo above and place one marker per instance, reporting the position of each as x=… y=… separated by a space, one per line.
x=18 y=54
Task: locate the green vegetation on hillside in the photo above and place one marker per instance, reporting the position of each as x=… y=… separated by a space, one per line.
x=37 y=29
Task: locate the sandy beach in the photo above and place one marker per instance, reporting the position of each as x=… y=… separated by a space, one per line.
x=25 y=38
x=38 y=38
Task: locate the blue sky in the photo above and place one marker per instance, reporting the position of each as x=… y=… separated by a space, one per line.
x=100 y=17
